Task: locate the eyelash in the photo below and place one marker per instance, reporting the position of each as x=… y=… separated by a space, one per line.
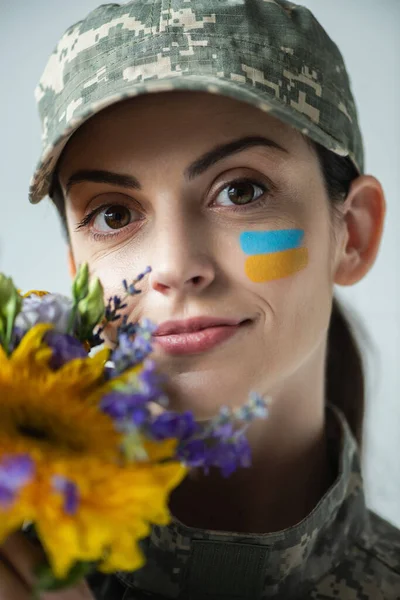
x=96 y=236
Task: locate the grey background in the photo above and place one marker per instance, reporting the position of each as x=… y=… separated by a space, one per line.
x=33 y=252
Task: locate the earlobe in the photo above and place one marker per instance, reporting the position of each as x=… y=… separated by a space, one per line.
x=363 y=217
x=71 y=264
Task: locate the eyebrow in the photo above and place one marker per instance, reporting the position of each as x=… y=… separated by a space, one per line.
x=197 y=168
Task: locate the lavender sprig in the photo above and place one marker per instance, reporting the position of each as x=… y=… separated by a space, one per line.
x=221 y=443
x=134 y=345
x=116 y=304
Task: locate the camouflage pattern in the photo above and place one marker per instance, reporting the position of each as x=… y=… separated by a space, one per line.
x=340 y=550
x=272 y=54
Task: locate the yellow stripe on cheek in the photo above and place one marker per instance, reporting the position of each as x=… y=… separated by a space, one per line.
x=277 y=265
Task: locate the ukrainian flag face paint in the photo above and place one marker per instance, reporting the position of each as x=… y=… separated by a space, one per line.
x=273 y=254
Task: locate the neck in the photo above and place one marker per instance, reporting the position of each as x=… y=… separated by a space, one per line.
x=290 y=470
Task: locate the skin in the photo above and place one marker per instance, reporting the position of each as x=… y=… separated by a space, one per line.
x=19 y=558
x=189 y=233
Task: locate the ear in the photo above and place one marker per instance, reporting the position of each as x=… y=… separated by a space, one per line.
x=71 y=263
x=363 y=218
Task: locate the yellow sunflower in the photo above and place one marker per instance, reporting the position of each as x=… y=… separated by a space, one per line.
x=39 y=293
x=53 y=417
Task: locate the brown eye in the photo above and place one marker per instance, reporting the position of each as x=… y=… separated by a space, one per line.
x=240 y=192
x=114 y=217
x=117 y=217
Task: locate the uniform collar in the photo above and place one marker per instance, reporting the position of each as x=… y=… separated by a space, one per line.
x=191 y=563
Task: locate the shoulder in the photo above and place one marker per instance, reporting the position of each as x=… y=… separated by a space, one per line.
x=382 y=541
x=370 y=569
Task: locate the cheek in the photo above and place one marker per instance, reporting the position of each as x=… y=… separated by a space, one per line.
x=272 y=255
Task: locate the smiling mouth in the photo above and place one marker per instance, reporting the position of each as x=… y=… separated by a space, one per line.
x=199 y=341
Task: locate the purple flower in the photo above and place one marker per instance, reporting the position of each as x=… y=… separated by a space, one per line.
x=129 y=352
x=51 y=308
x=139 y=415
x=222 y=447
x=222 y=455
x=65 y=348
x=151 y=380
x=113 y=307
x=120 y=405
x=70 y=492
x=6 y=496
x=109 y=372
x=243 y=451
x=16 y=337
x=193 y=453
x=130 y=403
x=229 y=454
x=223 y=430
x=130 y=289
x=15 y=472
x=173 y=425
x=255 y=408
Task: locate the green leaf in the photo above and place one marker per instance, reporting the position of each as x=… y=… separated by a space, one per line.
x=80 y=285
x=10 y=306
x=91 y=308
x=47 y=581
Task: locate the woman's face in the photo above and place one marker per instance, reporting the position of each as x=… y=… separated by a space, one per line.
x=193 y=221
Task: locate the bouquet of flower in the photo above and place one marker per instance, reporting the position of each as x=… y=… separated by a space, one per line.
x=84 y=458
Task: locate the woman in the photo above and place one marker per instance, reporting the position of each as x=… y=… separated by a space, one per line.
x=241 y=183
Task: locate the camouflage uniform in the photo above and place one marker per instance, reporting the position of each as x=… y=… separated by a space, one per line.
x=273 y=55
x=340 y=550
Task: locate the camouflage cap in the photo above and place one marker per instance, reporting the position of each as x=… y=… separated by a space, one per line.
x=272 y=54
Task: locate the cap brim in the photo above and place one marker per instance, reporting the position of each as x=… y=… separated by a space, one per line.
x=43 y=176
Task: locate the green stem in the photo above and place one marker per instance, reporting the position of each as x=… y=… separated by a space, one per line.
x=70 y=328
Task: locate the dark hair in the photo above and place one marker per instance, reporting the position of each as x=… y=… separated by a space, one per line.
x=344 y=369
x=345 y=379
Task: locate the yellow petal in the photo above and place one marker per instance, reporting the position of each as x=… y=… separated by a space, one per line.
x=83 y=373
x=30 y=344
x=61 y=544
x=39 y=293
x=124 y=555
x=159 y=450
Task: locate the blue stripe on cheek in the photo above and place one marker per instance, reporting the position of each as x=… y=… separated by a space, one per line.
x=264 y=242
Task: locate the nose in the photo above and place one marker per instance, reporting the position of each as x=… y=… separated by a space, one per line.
x=181 y=260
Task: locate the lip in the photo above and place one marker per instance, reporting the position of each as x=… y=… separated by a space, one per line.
x=192 y=325
x=196 y=335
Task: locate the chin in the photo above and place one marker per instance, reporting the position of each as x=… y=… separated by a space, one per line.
x=204 y=393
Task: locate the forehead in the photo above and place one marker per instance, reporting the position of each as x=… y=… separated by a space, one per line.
x=173 y=120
